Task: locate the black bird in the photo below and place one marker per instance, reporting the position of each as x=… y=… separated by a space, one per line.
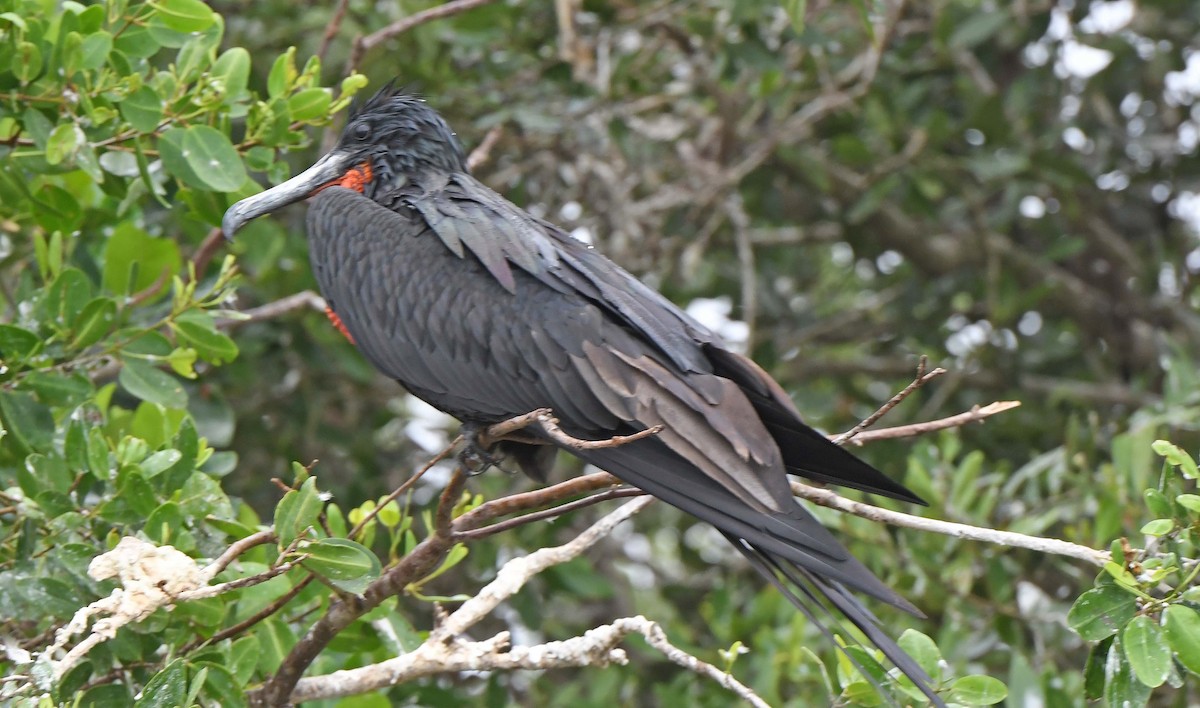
x=487 y=312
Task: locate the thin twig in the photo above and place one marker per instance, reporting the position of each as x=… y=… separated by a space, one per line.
x=252 y=620
x=975 y=415
x=276 y=308
x=557 y=511
x=366 y=43
x=921 y=379
x=1052 y=546
x=483 y=151
x=208 y=248
x=533 y=499
x=331 y=30
x=236 y=549
x=404 y=486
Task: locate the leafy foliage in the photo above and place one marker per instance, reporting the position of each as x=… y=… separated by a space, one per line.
x=864 y=187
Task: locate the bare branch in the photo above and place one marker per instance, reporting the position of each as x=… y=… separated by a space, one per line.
x=238 y=548
x=533 y=499
x=921 y=379
x=445 y=652
x=334 y=26
x=277 y=308
x=544 y=419
x=368 y=42
x=483 y=151
x=408 y=483
x=975 y=415
x=515 y=573
x=1052 y=546
x=555 y=512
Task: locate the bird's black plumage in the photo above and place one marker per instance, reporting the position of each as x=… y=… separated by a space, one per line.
x=487 y=312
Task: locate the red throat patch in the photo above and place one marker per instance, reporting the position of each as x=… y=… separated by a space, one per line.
x=337 y=322
x=356 y=178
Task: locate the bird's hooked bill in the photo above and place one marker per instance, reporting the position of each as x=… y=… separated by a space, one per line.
x=334 y=168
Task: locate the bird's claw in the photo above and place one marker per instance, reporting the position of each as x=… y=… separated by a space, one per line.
x=475 y=457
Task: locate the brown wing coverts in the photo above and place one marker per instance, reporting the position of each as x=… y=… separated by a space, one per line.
x=487 y=313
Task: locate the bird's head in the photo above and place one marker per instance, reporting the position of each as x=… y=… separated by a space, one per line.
x=393 y=138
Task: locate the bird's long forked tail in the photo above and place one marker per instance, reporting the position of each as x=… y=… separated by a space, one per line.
x=792 y=551
x=810 y=595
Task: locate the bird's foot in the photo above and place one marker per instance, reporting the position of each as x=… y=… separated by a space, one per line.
x=475 y=457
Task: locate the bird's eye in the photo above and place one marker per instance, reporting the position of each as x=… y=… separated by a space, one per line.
x=361 y=131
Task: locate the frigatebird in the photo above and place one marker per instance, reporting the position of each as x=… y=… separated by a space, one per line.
x=488 y=312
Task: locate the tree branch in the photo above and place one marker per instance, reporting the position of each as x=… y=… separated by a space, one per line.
x=976 y=415
x=921 y=379
x=446 y=652
x=366 y=43
x=1053 y=546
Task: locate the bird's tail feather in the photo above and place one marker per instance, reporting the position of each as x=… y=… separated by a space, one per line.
x=812 y=597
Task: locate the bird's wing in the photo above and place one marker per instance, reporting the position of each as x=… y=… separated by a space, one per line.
x=466 y=213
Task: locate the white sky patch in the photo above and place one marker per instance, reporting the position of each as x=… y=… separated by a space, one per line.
x=583 y=234
x=1030 y=323
x=1076 y=139
x=428 y=426
x=571 y=211
x=714 y=314
x=1186 y=208
x=1032 y=207
x=1081 y=61
x=1108 y=17
x=1180 y=88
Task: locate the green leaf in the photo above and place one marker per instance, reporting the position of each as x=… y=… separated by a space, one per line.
x=232 y=70
x=149 y=384
x=27 y=62
x=796 y=11
x=159 y=462
x=223 y=686
x=164 y=522
x=283 y=73
x=243 y=658
x=213 y=159
x=924 y=651
x=977 y=28
x=58 y=389
x=185 y=15
x=1177 y=457
x=17 y=344
x=1157 y=503
x=310 y=103
x=861 y=693
x=198 y=330
x=1191 y=502
x=1121 y=687
x=93 y=322
x=167 y=688
x=275 y=640
x=1147 y=650
x=1093 y=671
x=105 y=696
x=28 y=423
x=1158 y=527
x=61 y=143
x=99 y=460
x=143 y=110
x=1182 y=626
x=297 y=511
x=133 y=251
x=337 y=558
x=1101 y=612
x=95 y=50
x=977 y=690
